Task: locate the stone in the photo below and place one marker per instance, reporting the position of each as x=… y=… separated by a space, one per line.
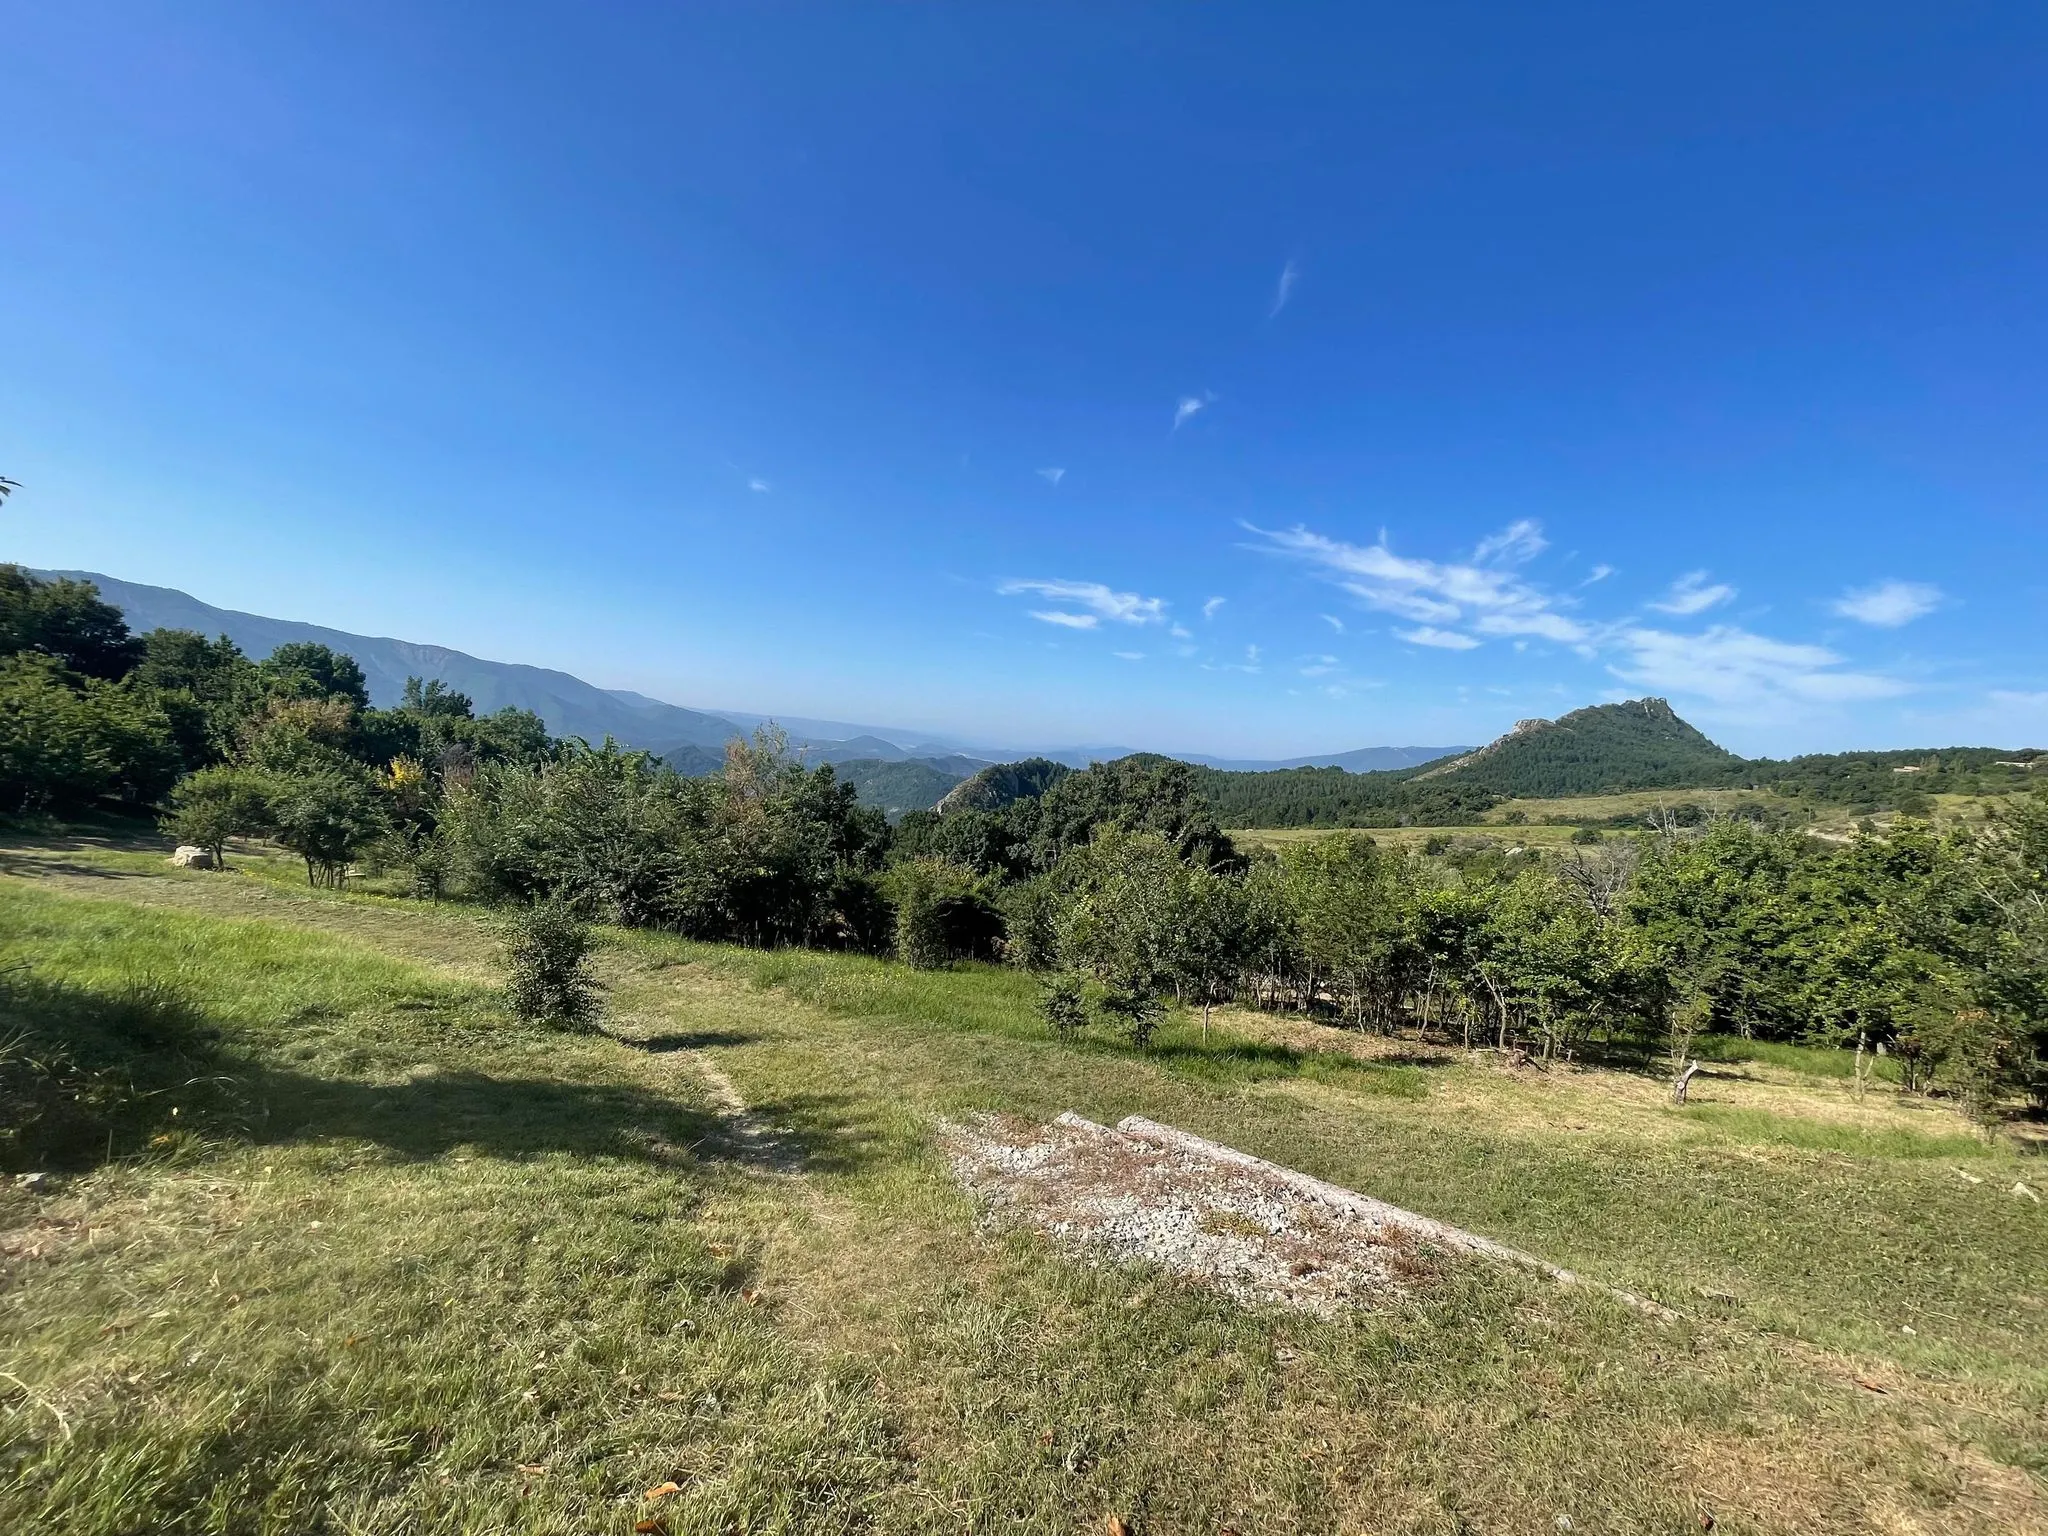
x=189 y=857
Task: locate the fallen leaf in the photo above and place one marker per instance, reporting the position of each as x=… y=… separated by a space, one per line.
x=668 y=1397
x=751 y=1297
x=1045 y=1437
x=662 y=1490
x=651 y=1527
x=1871 y=1386
x=1116 y=1525
x=535 y=1469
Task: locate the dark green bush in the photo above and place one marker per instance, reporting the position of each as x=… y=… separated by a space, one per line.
x=551 y=982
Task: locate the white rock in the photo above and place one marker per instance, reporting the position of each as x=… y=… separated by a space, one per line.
x=189 y=857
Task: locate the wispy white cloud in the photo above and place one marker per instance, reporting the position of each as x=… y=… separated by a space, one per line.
x=1095 y=599
x=1736 y=669
x=1191 y=405
x=1052 y=477
x=1181 y=632
x=758 y=485
x=1441 y=639
x=1128 y=655
x=1598 y=573
x=1289 y=276
x=1692 y=594
x=1319 y=666
x=1333 y=621
x=1209 y=608
x=1486 y=592
x=1517 y=544
x=1251 y=654
x=1888 y=604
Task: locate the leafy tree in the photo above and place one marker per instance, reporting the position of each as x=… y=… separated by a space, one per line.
x=1211 y=929
x=1118 y=924
x=327 y=816
x=66 y=621
x=1349 y=904
x=207 y=688
x=436 y=700
x=217 y=803
x=67 y=742
x=305 y=669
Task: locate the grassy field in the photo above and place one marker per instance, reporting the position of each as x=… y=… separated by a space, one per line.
x=336 y=1245
x=1550 y=823
x=1532 y=836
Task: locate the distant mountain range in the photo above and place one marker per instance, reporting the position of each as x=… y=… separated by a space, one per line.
x=692 y=739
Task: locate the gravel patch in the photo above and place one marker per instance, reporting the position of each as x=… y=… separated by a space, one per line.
x=1118 y=1198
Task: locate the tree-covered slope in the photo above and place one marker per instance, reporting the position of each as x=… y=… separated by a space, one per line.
x=894 y=788
x=1001 y=784
x=1599 y=750
x=1641 y=744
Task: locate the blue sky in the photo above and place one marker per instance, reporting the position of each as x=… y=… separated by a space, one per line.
x=1250 y=379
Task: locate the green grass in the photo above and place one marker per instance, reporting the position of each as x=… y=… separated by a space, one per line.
x=1760 y=1126
x=399 y=1247
x=1809 y=1060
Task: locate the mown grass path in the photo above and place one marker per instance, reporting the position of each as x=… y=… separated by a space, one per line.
x=400 y=1264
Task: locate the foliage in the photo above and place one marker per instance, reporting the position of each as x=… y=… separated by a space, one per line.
x=305 y=669
x=327 y=816
x=66 y=622
x=1002 y=784
x=1063 y=1004
x=767 y=852
x=943 y=913
x=894 y=788
x=550 y=981
x=214 y=804
x=68 y=740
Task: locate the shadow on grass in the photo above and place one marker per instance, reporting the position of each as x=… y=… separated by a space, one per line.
x=688 y=1040
x=32 y=866
x=88 y=1077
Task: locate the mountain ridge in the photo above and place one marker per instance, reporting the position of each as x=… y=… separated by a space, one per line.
x=573 y=707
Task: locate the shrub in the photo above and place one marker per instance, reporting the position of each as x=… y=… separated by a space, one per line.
x=551 y=984
x=1062 y=1005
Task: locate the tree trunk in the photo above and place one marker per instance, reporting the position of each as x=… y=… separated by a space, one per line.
x=1682 y=1082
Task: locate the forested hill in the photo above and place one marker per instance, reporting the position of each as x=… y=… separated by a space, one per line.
x=1598 y=750
x=1606 y=748
x=1002 y=784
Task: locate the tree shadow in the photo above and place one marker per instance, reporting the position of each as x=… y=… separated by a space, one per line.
x=31 y=866
x=88 y=1077
x=686 y=1040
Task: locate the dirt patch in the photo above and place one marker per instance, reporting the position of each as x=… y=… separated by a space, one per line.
x=1120 y=1199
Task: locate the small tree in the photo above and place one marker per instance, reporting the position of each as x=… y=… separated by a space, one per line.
x=550 y=983
x=326 y=817
x=1211 y=930
x=1120 y=924
x=215 y=804
x=1062 y=1004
